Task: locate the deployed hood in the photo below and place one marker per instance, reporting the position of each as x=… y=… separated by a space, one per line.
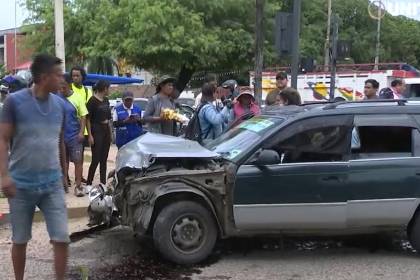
x=142 y=151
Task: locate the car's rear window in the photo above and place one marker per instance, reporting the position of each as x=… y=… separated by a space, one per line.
x=381 y=141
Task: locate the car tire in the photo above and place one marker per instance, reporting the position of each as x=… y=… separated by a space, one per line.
x=185 y=232
x=414 y=233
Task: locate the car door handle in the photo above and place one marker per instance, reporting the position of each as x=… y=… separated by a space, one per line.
x=331 y=178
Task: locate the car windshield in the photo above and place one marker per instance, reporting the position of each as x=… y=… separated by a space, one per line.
x=233 y=143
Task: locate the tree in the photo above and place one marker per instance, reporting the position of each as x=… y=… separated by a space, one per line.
x=165 y=36
x=398 y=43
x=185 y=36
x=102 y=65
x=2 y=70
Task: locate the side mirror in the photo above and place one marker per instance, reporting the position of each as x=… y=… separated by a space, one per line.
x=265 y=157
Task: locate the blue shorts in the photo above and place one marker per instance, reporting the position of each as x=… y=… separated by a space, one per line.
x=74 y=151
x=50 y=200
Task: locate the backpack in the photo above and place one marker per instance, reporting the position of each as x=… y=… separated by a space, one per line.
x=86 y=94
x=193 y=129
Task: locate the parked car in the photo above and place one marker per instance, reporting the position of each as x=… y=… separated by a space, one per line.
x=343 y=168
x=141 y=102
x=186 y=101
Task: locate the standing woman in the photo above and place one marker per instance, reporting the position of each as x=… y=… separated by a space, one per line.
x=99 y=130
x=245 y=104
x=163 y=99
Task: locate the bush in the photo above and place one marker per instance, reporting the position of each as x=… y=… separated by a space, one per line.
x=115 y=95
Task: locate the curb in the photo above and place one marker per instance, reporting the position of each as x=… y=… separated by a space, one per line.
x=73 y=213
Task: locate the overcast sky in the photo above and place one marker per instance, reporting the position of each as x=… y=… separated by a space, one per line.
x=7 y=14
x=409 y=8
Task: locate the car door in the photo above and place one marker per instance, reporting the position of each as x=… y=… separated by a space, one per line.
x=307 y=188
x=384 y=177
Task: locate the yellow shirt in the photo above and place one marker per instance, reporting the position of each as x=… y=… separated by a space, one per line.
x=79 y=104
x=84 y=94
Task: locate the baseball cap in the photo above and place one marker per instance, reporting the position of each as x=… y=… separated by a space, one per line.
x=127 y=95
x=281 y=76
x=230 y=83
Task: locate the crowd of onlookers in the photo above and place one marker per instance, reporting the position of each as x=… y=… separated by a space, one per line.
x=46 y=126
x=89 y=121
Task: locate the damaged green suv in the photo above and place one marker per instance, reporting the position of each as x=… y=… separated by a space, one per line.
x=335 y=169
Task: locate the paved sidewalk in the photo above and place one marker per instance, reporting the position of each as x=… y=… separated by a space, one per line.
x=77 y=206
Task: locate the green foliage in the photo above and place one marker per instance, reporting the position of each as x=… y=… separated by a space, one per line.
x=398 y=34
x=101 y=65
x=165 y=36
x=2 y=70
x=115 y=95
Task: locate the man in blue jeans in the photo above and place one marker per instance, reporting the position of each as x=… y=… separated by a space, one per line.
x=32 y=157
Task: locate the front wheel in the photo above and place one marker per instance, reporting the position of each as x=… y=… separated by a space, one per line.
x=185 y=232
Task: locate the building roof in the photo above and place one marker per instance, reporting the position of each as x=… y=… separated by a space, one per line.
x=10 y=30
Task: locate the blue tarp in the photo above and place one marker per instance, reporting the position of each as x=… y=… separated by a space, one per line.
x=91 y=79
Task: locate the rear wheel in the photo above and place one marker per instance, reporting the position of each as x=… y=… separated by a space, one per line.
x=185 y=232
x=414 y=233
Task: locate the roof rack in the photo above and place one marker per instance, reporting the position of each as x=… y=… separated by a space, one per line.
x=399 y=102
x=307 y=103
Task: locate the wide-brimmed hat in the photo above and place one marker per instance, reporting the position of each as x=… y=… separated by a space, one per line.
x=246 y=92
x=166 y=79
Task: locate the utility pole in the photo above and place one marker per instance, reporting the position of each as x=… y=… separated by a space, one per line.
x=327 y=39
x=259 y=46
x=378 y=36
x=16 y=41
x=334 y=56
x=59 y=31
x=295 y=42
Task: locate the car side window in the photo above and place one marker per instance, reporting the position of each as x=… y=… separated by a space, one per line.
x=322 y=144
x=381 y=142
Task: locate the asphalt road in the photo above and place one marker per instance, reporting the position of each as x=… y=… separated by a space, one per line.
x=117 y=254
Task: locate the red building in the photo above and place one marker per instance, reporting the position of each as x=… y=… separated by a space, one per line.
x=13 y=54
